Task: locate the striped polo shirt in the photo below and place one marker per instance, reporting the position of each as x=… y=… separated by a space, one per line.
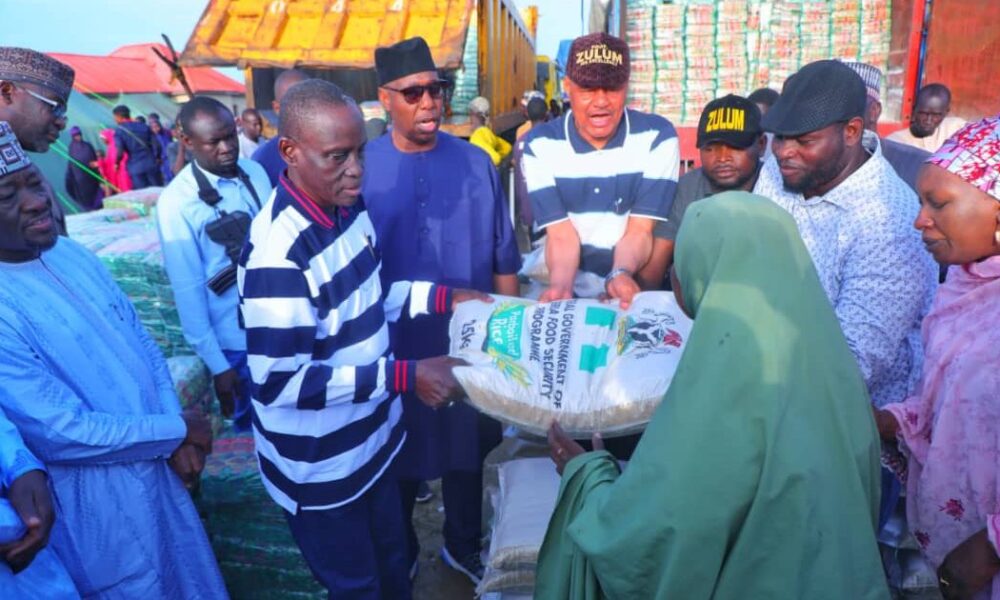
x=635 y=174
x=326 y=406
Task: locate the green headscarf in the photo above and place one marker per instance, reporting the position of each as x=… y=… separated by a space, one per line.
x=758 y=476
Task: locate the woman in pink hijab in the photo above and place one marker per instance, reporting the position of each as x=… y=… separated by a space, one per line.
x=948 y=434
x=117 y=177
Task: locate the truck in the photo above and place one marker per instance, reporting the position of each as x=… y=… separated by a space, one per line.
x=914 y=42
x=483 y=46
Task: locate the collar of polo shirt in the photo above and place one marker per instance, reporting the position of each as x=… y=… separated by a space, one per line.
x=581 y=145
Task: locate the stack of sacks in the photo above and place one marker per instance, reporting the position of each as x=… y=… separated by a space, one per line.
x=670 y=61
x=876 y=34
x=731 y=47
x=758 y=66
x=248 y=531
x=784 y=45
x=141 y=201
x=467 y=77
x=639 y=37
x=814 y=29
x=529 y=488
x=845 y=29
x=127 y=243
x=702 y=49
x=701 y=65
x=191 y=381
x=193 y=384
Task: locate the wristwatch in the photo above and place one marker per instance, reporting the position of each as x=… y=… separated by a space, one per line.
x=615 y=273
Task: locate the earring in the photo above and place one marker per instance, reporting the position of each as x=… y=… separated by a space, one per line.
x=996 y=237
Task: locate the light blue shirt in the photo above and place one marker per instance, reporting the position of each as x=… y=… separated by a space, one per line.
x=91 y=395
x=209 y=322
x=872 y=263
x=45 y=577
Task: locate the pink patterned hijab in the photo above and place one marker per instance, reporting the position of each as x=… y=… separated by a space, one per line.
x=973 y=154
x=950 y=428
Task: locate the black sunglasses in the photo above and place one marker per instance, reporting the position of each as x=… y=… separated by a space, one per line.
x=414 y=93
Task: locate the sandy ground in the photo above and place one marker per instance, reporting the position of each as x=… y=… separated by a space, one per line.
x=435 y=581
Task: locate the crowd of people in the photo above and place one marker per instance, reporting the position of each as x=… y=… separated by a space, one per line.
x=314 y=273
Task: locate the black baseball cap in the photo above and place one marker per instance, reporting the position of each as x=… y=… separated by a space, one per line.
x=819 y=94
x=732 y=120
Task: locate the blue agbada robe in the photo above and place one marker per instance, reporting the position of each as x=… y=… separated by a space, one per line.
x=440 y=216
x=90 y=393
x=45 y=577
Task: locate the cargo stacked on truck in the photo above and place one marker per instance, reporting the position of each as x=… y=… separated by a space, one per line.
x=483 y=46
x=687 y=52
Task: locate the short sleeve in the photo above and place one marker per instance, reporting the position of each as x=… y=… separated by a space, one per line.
x=659 y=176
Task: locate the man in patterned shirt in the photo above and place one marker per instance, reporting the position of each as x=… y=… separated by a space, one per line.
x=856 y=218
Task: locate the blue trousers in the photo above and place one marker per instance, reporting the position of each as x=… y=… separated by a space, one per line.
x=357 y=551
x=144 y=179
x=241 y=413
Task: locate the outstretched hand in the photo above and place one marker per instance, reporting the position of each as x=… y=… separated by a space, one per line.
x=563 y=448
x=436 y=385
x=623 y=288
x=552 y=294
x=459 y=296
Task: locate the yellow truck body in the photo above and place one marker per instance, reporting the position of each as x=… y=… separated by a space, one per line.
x=548 y=80
x=336 y=40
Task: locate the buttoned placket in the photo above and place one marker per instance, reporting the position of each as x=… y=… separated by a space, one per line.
x=422 y=189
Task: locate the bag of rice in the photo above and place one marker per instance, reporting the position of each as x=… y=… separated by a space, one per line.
x=588 y=364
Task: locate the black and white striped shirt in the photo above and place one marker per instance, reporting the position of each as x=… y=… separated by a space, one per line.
x=327 y=413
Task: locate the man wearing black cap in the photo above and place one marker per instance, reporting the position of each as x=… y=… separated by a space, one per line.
x=439 y=211
x=731 y=144
x=600 y=177
x=855 y=216
x=34 y=91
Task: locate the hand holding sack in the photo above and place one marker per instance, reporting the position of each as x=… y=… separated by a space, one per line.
x=591 y=366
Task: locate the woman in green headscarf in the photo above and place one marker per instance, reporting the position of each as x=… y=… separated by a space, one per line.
x=758 y=476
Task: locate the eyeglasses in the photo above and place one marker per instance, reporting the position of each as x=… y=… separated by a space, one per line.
x=57 y=108
x=414 y=93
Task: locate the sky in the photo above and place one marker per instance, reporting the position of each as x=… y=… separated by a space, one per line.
x=101 y=26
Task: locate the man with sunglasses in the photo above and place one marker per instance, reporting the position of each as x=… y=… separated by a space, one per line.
x=599 y=178
x=34 y=90
x=439 y=211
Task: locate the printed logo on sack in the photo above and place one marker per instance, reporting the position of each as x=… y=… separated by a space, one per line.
x=503 y=341
x=650 y=333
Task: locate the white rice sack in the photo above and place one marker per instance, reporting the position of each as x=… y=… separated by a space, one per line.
x=586 y=285
x=529 y=488
x=591 y=365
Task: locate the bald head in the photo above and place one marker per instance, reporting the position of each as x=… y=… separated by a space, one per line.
x=305 y=100
x=284 y=81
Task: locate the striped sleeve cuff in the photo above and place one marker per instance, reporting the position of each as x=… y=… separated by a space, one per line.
x=400 y=376
x=429 y=299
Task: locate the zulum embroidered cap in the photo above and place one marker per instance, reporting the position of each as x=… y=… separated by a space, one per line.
x=732 y=120
x=598 y=60
x=819 y=94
